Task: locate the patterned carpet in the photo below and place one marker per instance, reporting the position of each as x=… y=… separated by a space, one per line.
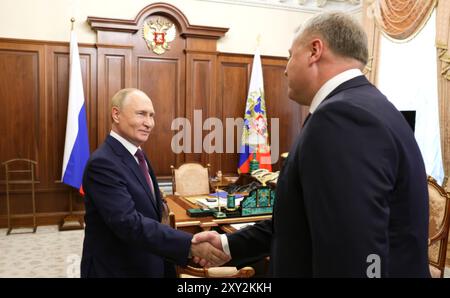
x=47 y=253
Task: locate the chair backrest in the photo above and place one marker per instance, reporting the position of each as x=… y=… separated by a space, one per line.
x=190 y=179
x=439 y=200
x=20 y=169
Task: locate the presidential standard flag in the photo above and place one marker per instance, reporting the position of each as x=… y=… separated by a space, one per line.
x=76 y=149
x=255 y=136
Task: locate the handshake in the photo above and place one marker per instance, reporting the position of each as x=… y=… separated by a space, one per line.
x=207 y=251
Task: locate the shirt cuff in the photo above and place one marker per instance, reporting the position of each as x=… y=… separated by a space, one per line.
x=225 y=247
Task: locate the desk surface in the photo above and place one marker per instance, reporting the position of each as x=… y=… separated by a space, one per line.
x=179 y=205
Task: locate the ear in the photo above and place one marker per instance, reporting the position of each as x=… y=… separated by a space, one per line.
x=115 y=112
x=316 y=50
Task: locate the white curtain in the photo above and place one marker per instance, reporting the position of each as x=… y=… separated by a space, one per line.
x=407 y=76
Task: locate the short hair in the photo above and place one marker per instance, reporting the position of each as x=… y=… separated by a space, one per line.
x=343 y=34
x=121 y=96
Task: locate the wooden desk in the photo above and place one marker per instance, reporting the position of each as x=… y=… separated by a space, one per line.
x=225 y=181
x=227 y=228
x=179 y=205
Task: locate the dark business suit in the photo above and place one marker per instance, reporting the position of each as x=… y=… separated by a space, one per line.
x=354 y=184
x=124 y=236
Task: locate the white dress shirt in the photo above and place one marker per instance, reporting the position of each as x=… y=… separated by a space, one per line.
x=127 y=144
x=332 y=84
x=132 y=149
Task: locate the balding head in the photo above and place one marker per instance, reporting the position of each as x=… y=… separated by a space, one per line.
x=121 y=96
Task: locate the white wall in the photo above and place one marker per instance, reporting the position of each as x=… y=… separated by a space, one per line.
x=407 y=76
x=50 y=20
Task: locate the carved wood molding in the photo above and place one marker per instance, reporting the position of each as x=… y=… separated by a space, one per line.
x=106 y=24
x=113 y=46
x=42 y=42
x=163 y=9
x=187 y=51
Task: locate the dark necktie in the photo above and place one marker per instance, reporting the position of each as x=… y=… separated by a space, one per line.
x=143 y=166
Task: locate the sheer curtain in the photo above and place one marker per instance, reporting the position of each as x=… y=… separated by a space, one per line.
x=407 y=76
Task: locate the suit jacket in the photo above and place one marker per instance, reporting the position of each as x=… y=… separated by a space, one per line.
x=124 y=236
x=352 y=194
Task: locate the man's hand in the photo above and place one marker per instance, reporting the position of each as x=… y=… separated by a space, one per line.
x=214 y=239
x=211 y=256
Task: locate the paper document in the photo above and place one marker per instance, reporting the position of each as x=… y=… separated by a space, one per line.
x=223 y=202
x=224 y=194
x=194 y=199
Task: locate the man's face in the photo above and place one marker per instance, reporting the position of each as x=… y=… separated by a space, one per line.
x=135 y=119
x=297 y=72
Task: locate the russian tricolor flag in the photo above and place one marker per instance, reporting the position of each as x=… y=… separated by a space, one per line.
x=255 y=136
x=76 y=149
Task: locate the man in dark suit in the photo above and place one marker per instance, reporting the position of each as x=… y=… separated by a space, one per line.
x=352 y=197
x=124 y=236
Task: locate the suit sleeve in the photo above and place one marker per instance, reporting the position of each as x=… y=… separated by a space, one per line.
x=348 y=170
x=106 y=188
x=251 y=243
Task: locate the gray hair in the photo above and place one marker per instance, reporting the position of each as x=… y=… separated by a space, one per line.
x=121 y=96
x=343 y=34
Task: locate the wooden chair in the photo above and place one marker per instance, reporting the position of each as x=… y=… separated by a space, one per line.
x=190 y=179
x=438 y=227
x=213 y=272
x=20 y=171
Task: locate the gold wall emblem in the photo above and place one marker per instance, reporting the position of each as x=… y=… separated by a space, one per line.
x=158 y=33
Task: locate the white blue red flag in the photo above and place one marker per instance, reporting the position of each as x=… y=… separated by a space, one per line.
x=255 y=136
x=76 y=149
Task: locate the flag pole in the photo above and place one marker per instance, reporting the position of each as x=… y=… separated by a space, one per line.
x=255 y=150
x=71 y=221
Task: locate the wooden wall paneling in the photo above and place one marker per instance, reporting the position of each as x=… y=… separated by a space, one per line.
x=201 y=94
x=168 y=93
x=233 y=81
x=42 y=218
x=213 y=110
x=23 y=116
x=201 y=99
x=279 y=106
x=163 y=78
x=23 y=97
x=178 y=84
x=114 y=73
x=191 y=75
x=46 y=115
x=160 y=79
x=232 y=87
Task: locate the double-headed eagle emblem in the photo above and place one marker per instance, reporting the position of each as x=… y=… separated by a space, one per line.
x=158 y=33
